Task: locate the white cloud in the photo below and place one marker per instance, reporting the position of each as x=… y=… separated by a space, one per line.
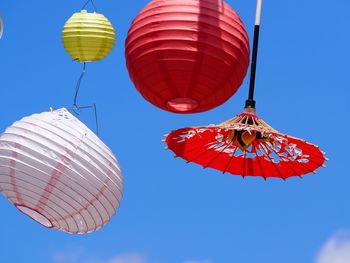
x=137 y=258
x=127 y=258
x=336 y=249
x=78 y=256
x=68 y=256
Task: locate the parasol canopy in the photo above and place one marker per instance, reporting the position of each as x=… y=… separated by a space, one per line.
x=58 y=172
x=246 y=146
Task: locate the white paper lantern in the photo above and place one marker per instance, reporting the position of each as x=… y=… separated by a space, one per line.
x=58 y=172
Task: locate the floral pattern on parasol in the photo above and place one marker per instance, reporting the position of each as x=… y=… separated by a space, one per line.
x=246 y=146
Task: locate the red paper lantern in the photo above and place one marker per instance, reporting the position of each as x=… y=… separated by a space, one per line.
x=187 y=56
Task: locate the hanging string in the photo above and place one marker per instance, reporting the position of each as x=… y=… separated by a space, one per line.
x=96 y=119
x=92 y=3
x=77 y=88
x=250 y=102
x=94 y=107
x=77 y=108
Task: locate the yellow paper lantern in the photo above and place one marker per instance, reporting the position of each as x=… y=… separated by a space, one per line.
x=88 y=36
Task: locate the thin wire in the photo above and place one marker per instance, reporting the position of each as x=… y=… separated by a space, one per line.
x=77 y=88
x=96 y=120
x=92 y=3
x=94 y=107
x=76 y=108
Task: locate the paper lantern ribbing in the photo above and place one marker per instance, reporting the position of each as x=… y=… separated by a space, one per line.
x=58 y=172
x=88 y=36
x=187 y=56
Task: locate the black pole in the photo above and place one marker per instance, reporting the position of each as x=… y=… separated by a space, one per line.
x=250 y=102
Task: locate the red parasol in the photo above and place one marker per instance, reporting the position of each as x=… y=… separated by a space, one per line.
x=246 y=145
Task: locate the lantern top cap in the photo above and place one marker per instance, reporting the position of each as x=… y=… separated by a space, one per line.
x=84 y=11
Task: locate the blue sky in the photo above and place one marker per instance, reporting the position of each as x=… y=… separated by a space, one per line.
x=175 y=212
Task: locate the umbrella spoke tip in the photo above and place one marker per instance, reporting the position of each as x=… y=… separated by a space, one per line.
x=324 y=166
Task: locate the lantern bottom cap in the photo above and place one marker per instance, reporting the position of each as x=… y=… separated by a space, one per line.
x=182 y=104
x=36 y=216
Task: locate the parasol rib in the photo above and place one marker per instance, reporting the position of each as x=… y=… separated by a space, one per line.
x=199 y=155
x=287 y=165
x=258 y=158
x=244 y=159
x=273 y=164
x=229 y=162
x=212 y=160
